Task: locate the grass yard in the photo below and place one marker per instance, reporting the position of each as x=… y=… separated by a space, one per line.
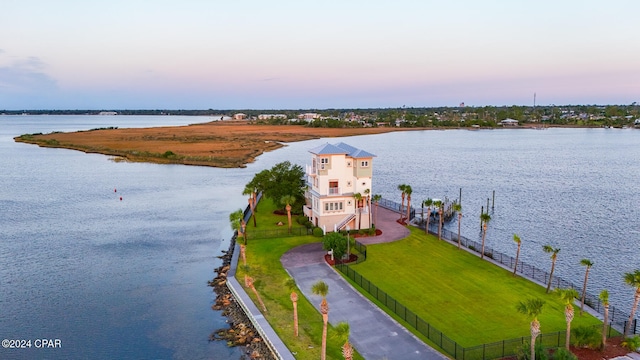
x=263 y=264
x=470 y=300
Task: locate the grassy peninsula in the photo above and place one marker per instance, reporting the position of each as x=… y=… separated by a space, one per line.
x=226 y=144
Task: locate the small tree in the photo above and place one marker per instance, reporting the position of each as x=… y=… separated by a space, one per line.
x=342 y=334
x=604 y=298
x=287 y=200
x=321 y=288
x=336 y=242
x=402 y=187
x=458 y=208
x=533 y=309
x=588 y=263
x=567 y=296
x=428 y=203
x=554 y=256
x=248 y=282
x=291 y=284
x=358 y=197
x=632 y=279
x=485 y=218
x=376 y=200
x=517 y=240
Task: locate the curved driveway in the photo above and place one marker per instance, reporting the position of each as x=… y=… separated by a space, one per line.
x=375 y=334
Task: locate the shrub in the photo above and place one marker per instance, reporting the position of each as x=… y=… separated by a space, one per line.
x=472 y=248
x=302 y=219
x=587 y=336
x=524 y=352
x=372 y=231
x=317 y=232
x=631 y=343
x=308 y=225
x=167 y=154
x=564 y=354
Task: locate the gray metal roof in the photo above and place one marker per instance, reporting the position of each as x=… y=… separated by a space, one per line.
x=341 y=148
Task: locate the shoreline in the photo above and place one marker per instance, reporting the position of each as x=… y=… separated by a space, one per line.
x=228 y=144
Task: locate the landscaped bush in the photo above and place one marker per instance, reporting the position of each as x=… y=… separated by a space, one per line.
x=564 y=354
x=308 y=224
x=632 y=343
x=524 y=352
x=302 y=219
x=587 y=336
x=317 y=232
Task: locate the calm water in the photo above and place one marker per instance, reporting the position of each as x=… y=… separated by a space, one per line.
x=111 y=279
x=574 y=189
x=127 y=279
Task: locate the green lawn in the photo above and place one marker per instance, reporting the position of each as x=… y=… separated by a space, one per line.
x=470 y=300
x=263 y=264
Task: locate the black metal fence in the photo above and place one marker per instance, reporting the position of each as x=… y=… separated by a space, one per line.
x=493 y=350
x=394 y=206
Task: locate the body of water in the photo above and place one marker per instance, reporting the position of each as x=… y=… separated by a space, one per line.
x=126 y=278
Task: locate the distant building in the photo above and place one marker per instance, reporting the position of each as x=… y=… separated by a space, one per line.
x=309 y=116
x=509 y=122
x=337 y=172
x=239 y=116
x=271 y=116
x=107 y=113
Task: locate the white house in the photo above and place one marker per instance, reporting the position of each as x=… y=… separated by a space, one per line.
x=336 y=174
x=509 y=122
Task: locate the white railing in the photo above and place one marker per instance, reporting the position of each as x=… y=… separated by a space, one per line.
x=334 y=191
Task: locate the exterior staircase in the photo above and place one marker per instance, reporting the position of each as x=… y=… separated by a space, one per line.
x=344 y=222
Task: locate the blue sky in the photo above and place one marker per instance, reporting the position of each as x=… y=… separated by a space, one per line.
x=200 y=54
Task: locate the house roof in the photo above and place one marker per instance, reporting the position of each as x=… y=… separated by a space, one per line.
x=341 y=148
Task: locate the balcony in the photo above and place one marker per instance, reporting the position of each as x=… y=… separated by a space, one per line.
x=334 y=191
x=311 y=170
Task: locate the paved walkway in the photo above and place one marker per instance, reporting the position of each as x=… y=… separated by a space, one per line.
x=374 y=333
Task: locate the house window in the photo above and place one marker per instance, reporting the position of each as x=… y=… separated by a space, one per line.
x=324 y=163
x=364 y=163
x=333 y=206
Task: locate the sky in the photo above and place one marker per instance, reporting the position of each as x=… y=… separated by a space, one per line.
x=298 y=54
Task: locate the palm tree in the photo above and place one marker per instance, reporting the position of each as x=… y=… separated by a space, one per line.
x=632 y=279
x=287 y=200
x=321 y=288
x=532 y=308
x=402 y=187
x=251 y=191
x=376 y=200
x=554 y=256
x=367 y=195
x=588 y=263
x=485 y=218
x=440 y=219
x=342 y=333
x=428 y=204
x=248 y=282
x=438 y=204
x=291 y=284
x=458 y=208
x=408 y=190
x=567 y=296
x=604 y=298
x=358 y=198
x=516 y=239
